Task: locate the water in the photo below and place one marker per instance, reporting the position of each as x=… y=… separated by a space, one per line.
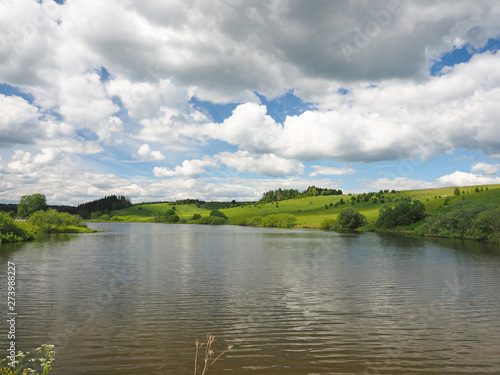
x=132 y=300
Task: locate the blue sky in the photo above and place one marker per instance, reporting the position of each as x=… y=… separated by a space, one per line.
x=229 y=99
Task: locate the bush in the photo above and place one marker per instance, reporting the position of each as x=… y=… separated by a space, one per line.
x=476 y=221
x=51 y=221
x=327 y=223
x=350 y=219
x=11 y=232
x=403 y=212
x=196 y=217
x=217 y=213
x=279 y=221
x=254 y=221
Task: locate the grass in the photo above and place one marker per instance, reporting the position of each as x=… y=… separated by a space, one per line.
x=145 y=212
x=310 y=211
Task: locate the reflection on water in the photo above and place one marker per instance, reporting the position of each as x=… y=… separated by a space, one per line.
x=132 y=300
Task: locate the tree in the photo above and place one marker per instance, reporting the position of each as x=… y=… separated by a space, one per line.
x=218 y=213
x=196 y=217
x=31 y=203
x=404 y=212
x=456 y=191
x=350 y=219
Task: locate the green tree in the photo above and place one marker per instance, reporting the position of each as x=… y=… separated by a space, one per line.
x=456 y=191
x=350 y=219
x=30 y=204
x=196 y=217
x=403 y=212
x=218 y=213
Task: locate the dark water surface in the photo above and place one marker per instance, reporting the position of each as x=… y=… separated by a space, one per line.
x=133 y=299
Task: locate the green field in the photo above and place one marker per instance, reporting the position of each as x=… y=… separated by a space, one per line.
x=310 y=211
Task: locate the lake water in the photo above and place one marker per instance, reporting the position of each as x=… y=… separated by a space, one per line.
x=132 y=300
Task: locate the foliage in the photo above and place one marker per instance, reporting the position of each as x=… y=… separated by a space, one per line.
x=16 y=365
x=31 y=203
x=350 y=219
x=105 y=205
x=168 y=217
x=477 y=221
x=11 y=232
x=328 y=223
x=196 y=217
x=217 y=213
x=279 y=221
x=255 y=221
x=51 y=221
x=456 y=192
x=403 y=212
x=285 y=194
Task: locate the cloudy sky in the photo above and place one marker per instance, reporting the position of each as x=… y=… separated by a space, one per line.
x=167 y=99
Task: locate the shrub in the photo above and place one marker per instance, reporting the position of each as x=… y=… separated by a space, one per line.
x=403 y=212
x=196 y=217
x=279 y=221
x=350 y=219
x=476 y=221
x=327 y=223
x=254 y=221
x=11 y=232
x=217 y=213
x=51 y=221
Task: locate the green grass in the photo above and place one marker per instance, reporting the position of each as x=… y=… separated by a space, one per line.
x=145 y=212
x=311 y=211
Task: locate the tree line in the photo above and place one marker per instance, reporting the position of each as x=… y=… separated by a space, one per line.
x=285 y=194
x=103 y=205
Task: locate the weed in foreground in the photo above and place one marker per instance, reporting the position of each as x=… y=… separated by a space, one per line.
x=209 y=354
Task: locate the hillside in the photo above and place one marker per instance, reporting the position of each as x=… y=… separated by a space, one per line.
x=310 y=211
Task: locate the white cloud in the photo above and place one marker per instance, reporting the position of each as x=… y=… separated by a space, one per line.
x=189 y=168
x=485 y=169
x=466 y=179
x=18 y=121
x=145 y=154
x=330 y=171
x=267 y=164
x=47 y=156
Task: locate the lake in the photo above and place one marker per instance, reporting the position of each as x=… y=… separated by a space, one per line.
x=132 y=300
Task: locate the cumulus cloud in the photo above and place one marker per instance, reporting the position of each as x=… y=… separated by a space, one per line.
x=466 y=179
x=189 y=168
x=145 y=154
x=330 y=171
x=18 y=121
x=267 y=164
x=485 y=169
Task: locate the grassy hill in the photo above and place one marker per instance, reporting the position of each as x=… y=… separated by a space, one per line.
x=310 y=211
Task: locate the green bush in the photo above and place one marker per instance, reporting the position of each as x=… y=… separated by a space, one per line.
x=255 y=221
x=327 y=223
x=404 y=211
x=51 y=221
x=350 y=219
x=11 y=232
x=196 y=217
x=279 y=221
x=217 y=213
x=476 y=221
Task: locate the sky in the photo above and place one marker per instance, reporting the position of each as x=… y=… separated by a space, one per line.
x=227 y=99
